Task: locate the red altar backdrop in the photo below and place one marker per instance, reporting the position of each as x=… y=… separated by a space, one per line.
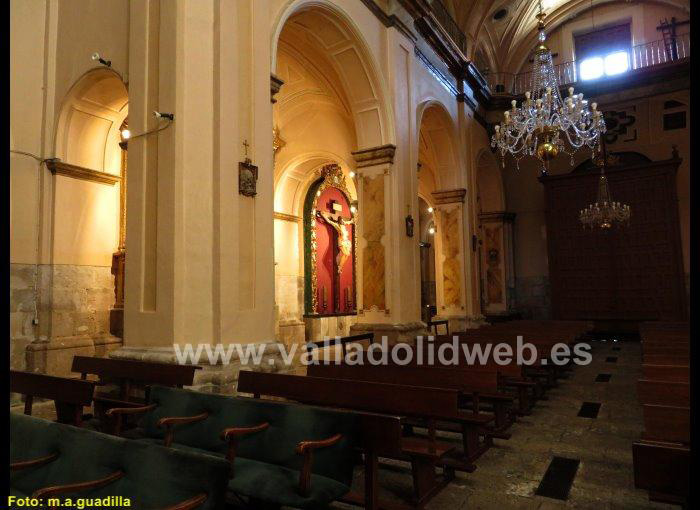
x=335 y=292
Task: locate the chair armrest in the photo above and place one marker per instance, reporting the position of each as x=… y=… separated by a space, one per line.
x=170 y=422
x=76 y=487
x=16 y=466
x=232 y=434
x=306 y=448
x=119 y=412
x=189 y=504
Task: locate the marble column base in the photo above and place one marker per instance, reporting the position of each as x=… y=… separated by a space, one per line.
x=459 y=323
x=395 y=333
x=218 y=378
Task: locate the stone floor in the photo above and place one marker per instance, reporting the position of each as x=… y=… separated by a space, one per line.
x=509 y=473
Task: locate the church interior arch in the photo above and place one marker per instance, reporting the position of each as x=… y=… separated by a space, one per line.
x=327 y=108
x=437 y=166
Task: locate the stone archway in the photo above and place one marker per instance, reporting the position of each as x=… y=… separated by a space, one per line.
x=438 y=172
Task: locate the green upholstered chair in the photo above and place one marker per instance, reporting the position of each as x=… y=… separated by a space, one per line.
x=281 y=453
x=45 y=455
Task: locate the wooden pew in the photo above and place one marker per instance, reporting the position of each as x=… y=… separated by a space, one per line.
x=677 y=373
x=69 y=395
x=131 y=377
x=666 y=423
x=435 y=323
x=477 y=387
x=429 y=404
x=663 y=393
x=665 y=359
x=662 y=469
x=342 y=341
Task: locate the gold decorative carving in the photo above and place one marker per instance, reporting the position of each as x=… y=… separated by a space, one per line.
x=277 y=141
x=79 y=172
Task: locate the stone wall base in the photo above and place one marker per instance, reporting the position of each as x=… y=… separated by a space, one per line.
x=54 y=356
x=220 y=378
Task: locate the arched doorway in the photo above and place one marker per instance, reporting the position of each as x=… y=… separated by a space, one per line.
x=442 y=212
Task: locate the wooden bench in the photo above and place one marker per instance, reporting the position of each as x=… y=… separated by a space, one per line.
x=663 y=393
x=666 y=423
x=69 y=395
x=662 y=469
x=342 y=341
x=477 y=387
x=428 y=404
x=677 y=373
x=132 y=379
x=440 y=322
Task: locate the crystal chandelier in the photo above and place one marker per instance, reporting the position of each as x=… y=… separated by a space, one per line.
x=544 y=120
x=605 y=212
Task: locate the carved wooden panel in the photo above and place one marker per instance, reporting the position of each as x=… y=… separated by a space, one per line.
x=632 y=273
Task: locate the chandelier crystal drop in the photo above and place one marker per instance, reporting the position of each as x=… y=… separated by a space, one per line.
x=544 y=121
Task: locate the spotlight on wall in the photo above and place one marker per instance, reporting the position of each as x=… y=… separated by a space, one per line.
x=163 y=115
x=96 y=57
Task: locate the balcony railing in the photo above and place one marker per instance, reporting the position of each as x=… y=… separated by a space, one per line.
x=450 y=25
x=642 y=56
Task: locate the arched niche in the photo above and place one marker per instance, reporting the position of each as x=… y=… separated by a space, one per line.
x=324 y=28
x=87 y=133
x=329 y=245
x=437 y=154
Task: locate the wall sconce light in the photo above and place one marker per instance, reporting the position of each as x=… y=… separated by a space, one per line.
x=430 y=210
x=432 y=231
x=351 y=174
x=125 y=134
x=353 y=209
x=96 y=57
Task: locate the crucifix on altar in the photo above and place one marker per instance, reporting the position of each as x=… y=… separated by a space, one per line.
x=330 y=241
x=335 y=219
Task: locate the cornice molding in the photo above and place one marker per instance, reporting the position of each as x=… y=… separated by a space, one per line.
x=275 y=86
x=375 y=156
x=494 y=216
x=449 y=196
x=286 y=217
x=79 y=172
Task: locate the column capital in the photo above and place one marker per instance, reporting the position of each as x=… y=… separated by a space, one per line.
x=449 y=196
x=375 y=155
